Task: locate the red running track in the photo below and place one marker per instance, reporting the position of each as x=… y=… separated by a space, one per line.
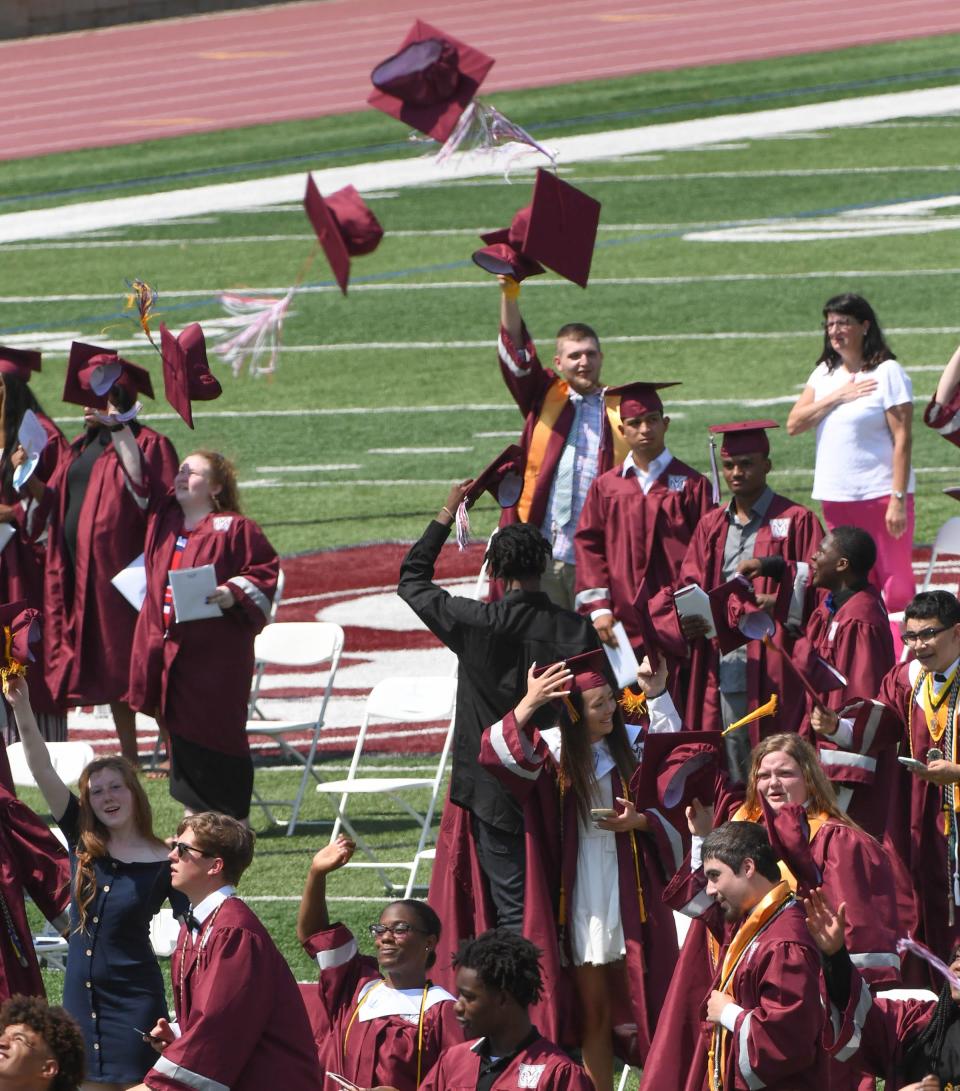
x=137 y=82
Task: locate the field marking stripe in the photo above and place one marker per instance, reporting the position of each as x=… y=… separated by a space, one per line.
x=84 y=216
x=438 y=285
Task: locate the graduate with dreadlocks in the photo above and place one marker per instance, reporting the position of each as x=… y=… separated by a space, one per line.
x=498 y=980
x=598 y=856
x=906 y=1042
x=480 y=850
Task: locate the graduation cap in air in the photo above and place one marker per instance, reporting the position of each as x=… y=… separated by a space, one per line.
x=92 y=373
x=19 y=631
x=503 y=479
x=186 y=374
x=788 y=831
x=677 y=767
x=20 y=363
x=429 y=81
x=737 y=616
x=559 y=231
x=746 y=437
x=345 y=227
x=638 y=399
x=815 y=675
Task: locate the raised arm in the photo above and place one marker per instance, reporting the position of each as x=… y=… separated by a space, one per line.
x=313 y=915
x=55 y=792
x=510 y=318
x=949 y=380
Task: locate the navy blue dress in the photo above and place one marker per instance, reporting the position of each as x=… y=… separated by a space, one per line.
x=113 y=982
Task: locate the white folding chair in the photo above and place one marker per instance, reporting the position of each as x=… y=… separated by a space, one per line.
x=277 y=595
x=294 y=644
x=255 y=712
x=406 y=701
x=68 y=758
x=947 y=541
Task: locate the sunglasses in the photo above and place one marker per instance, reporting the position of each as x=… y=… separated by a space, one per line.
x=183 y=849
x=399 y=929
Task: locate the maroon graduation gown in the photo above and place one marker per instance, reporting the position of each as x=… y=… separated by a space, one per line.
x=242 y=1020
x=31 y=860
x=22 y=558
x=916 y=807
x=873 y=1033
x=526 y=765
x=854 y=871
x=945 y=419
x=542 y=397
x=788 y=530
x=172 y=669
x=627 y=540
x=88 y=625
x=540 y=1065
x=379 y=1052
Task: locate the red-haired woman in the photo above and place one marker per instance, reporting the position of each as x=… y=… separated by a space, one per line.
x=173 y=666
x=120 y=878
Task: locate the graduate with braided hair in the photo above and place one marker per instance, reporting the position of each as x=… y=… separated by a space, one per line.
x=496 y=643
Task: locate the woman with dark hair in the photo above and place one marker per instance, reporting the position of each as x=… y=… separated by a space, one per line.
x=785 y=776
x=22 y=557
x=198 y=522
x=860 y=400
x=96 y=530
x=597 y=861
x=377 y=1022
x=120 y=879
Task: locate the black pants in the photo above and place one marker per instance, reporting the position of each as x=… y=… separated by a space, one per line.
x=503 y=861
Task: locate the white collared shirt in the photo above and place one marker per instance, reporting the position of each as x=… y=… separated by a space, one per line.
x=938 y=686
x=645 y=478
x=212 y=901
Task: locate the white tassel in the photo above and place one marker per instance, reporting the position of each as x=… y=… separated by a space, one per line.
x=463 y=527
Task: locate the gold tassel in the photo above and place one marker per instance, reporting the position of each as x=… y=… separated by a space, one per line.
x=633 y=704
x=11 y=668
x=769 y=709
x=571 y=711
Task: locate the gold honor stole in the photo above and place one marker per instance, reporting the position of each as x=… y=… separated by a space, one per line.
x=543 y=430
x=746 y=814
x=939 y=713
x=761 y=917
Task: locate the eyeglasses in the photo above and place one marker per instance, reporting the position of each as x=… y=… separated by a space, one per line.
x=401 y=928
x=924 y=636
x=183 y=849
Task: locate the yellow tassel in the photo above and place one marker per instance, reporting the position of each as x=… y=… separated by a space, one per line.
x=633 y=704
x=143 y=298
x=11 y=668
x=769 y=709
x=571 y=711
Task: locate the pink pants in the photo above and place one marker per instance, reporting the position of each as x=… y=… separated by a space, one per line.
x=893 y=572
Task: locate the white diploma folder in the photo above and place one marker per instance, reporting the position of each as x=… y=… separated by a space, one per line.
x=131 y=582
x=191 y=587
x=623 y=661
x=693 y=601
x=33 y=439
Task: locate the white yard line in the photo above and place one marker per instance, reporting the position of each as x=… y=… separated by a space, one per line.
x=73 y=219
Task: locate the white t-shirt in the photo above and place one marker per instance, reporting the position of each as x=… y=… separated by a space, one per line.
x=854 y=441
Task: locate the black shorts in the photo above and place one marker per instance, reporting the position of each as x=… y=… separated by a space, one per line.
x=207 y=780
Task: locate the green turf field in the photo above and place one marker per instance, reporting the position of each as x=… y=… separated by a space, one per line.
x=417 y=329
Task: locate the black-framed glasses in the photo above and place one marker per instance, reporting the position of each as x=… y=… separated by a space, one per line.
x=924 y=635
x=401 y=928
x=183 y=849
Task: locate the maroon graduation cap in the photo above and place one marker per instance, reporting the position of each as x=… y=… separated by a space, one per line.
x=638 y=399
x=590 y=670
x=737 y=616
x=24 y=625
x=503 y=255
x=503 y=478
x=92 y=373
x=744 y=437
x=560 y=232
x=186 y=374
x=20 y=363
x=345 y=227
x=677 y=767
x=953 y=492
x=788 y=831
x=813 y=673
x=429 y=81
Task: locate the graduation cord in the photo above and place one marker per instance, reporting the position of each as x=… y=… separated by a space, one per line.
x=201 y=944
x=356 y=1011
x=942 y=730
x=15 y=942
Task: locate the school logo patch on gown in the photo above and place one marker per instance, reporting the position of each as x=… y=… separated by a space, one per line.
x=222 y=522
x=675 y=482
x=530 y=1075
x=779 y=528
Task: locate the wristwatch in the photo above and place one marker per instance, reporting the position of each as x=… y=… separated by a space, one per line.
x=898 y=495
